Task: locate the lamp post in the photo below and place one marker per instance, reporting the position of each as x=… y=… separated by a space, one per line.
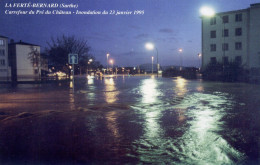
x=180 y=51
x=152 y=64
x=111 y=61
x=199 y=56
x=107 y=61
x=89 y=61
x=151 y=46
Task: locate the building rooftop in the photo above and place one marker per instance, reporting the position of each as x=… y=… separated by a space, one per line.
x=255 y=4
x=22 y=43
x=3 y=36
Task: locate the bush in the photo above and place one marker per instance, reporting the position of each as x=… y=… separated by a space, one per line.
x=188 y=73
x=229 y=72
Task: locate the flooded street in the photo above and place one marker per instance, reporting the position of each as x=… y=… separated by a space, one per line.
x=118 y=120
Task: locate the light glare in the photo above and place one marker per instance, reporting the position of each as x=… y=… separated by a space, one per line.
x=149 y=46
x=207 y=11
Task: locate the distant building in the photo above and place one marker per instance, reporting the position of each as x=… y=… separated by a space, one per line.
x=25 y=61
x=232 y=36
x=4 y=69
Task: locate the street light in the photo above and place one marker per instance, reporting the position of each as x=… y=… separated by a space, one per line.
x=199 y=55
x=111 y=61
x=180 y=51
x=152 y=64
x=107 y=61
x=207 y=11
x=89 y=61
x=151 y=46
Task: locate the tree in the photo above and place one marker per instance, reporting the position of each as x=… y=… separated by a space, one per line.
x=59 y=48
x=35 y=58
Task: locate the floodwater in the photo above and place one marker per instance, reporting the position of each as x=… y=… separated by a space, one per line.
x=130 y=120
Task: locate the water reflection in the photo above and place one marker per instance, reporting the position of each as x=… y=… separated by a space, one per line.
x=149 y=91
x=151 y=112
x=112 y=125
x=111 y=91
x=202 y=143
x=180 y=88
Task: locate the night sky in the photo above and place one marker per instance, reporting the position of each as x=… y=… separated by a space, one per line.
x=169 y=24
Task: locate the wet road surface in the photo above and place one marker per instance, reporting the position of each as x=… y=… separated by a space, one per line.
x=119 y=120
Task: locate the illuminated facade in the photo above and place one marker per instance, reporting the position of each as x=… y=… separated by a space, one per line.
x=25 y=61
x=232 y=36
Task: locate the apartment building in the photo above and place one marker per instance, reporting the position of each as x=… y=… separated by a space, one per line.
x=232 y=36
x=4 y=67
x=25 y=61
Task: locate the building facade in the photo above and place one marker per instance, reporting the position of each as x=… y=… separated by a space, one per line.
x=25 y=61
x=4 y=67
x=232 y=36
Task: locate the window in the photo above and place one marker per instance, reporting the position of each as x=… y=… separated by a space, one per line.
x=238 y=32
x=2 y=62
x=2 y=42
x=238 y=60
x=238 y=46
x=225 y=46
x=213 y=21
x=213 y=60
x=238 y=17
x=213 y=34
x=2 y=52
x=225 y=19
x=213 y=47
x=225 y=60
x=225 y=33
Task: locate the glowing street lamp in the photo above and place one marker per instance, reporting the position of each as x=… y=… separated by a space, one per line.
x=151 y=46
x=89 y=61
x=207 y=11
x=107 y=61
x=180 y=51
x=199 y=55
x=152 y=64
x=112 y=62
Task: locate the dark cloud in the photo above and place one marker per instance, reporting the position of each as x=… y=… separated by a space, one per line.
x=166 y=30
x=131 y=53
x=141 y=36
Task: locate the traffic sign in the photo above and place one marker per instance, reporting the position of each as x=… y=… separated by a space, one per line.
x=73 y=59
